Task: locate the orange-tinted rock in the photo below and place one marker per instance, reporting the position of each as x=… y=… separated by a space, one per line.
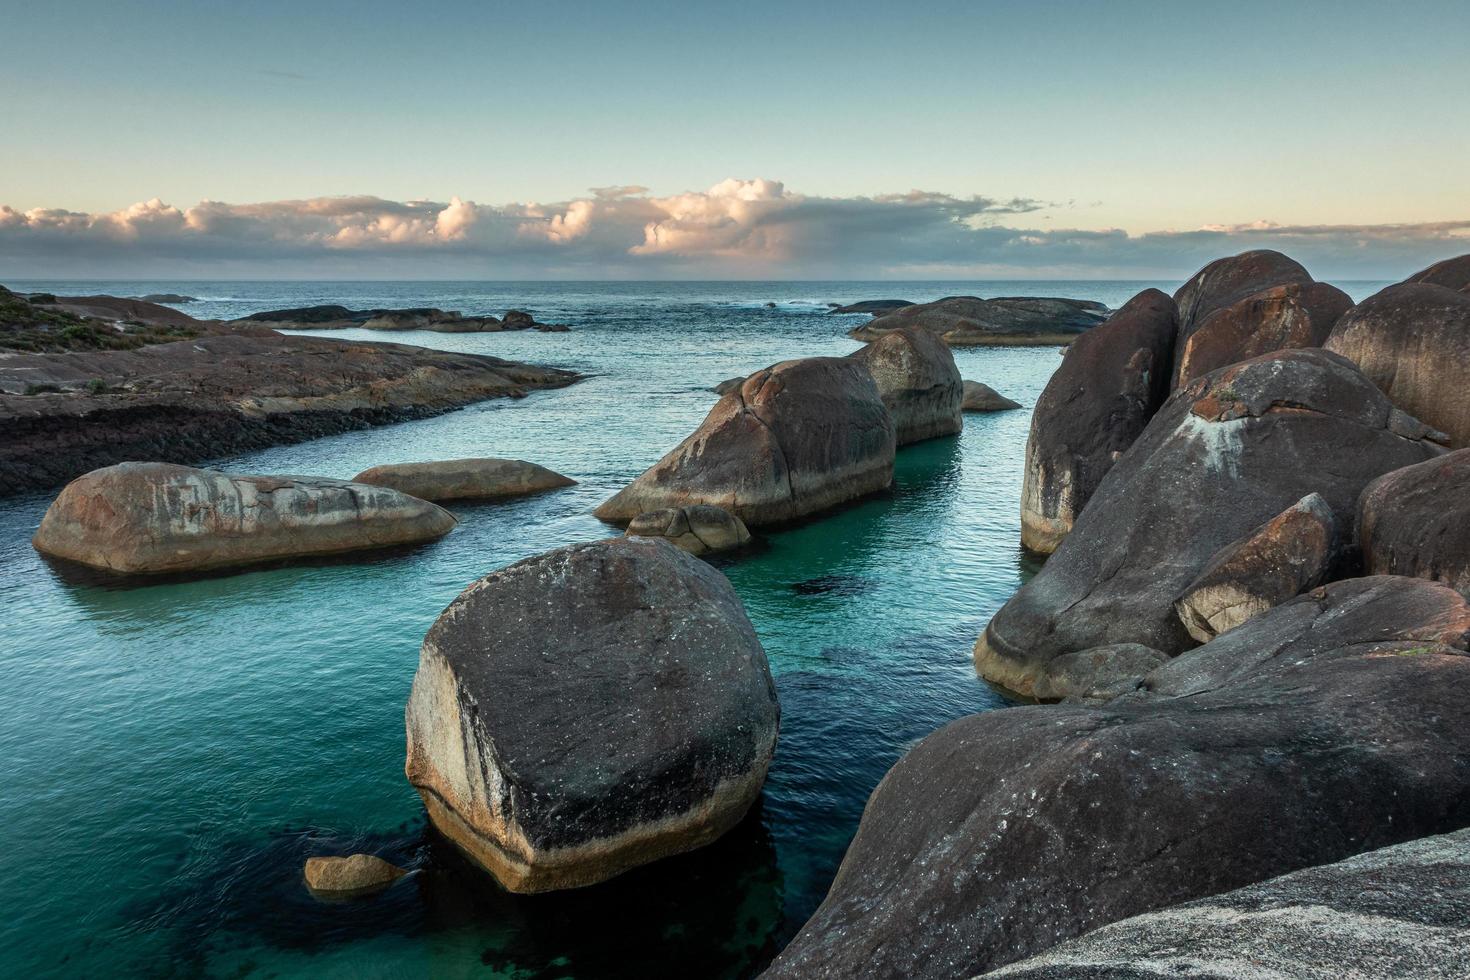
x=1279 y=317
x=1225 y=282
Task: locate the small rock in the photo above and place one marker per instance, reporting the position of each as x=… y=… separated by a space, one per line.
x=464 y=479
x=979 y=397
x=518 y=320
x=358 y=874
x=697 y=529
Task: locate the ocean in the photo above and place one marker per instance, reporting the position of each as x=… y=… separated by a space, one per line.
x=172 y=753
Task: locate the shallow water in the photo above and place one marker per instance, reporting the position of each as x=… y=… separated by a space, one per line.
x=172 y=753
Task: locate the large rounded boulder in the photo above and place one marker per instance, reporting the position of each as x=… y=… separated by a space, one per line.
x=918 y=381
x=1450 y=273
x=1333 y=724
x=1413 y=341
x=1416 y=521
x=1224 y=455
x=465 y=479
x=1112 y=380
x=1276 y=318
x=792 y=440
x=590 y=710
x=1225 y=282
x=155 y=518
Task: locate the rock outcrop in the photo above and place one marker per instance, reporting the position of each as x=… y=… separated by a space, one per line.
x=1413 y=341
x=1276 y=318
x=1451 y=273
x=590 y=710
x=874 y=306
x=1111 y=382
x=918 y=381
x=1006 y=321
x=1416 y=521
x=698 y=529
x=792 y=440
x=156 y=518
x=1333 y=724
x=978 y=397
x=1225 y=282
x=464 y=479
x=222 y=394
x=1225 y=454
x=728 y=385
x=1397 y=913
x=1289 y=554
x=333 y=317
x=351 y=876
x=1099 y=674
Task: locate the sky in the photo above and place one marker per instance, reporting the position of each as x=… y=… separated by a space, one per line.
x=1128 y=139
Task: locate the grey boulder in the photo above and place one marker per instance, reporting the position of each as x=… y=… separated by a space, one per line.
x=978 y=397
x=464 y=479
x=698 y=529
x=1416 y=521
x=590 y=710
x=1099 y=674
x=918 y=382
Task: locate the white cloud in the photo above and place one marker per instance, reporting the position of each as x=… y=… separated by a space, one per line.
x=738 y=227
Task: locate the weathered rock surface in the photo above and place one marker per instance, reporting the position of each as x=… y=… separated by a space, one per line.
x=792 y=440
x=1225 y=454
x=356 y=874
x=1289 y=554
x=1225 y=282
x=968 y=321
x=1331 y=725
x=221 y=394
x=1397 y=912
x=698 y=529
x=155 y=518
x=1099 y=674
x=1451 y=273
x=334 y=317
x=873 y=306
x=1416 y=521
x=978 y=397
x=590 y=710
x=1276 y=318
x=1413 y=341
x=464 y=479
x=728 y=385
x=114 y=309
x=918 y=381
x=1111 y=382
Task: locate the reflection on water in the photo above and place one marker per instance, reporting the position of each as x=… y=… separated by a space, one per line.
x=172 y=751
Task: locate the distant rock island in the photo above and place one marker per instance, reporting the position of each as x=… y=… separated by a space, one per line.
x=96 y=380
x=331 y=317
x=969 y=321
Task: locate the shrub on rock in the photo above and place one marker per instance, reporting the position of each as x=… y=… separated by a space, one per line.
x=588 y=711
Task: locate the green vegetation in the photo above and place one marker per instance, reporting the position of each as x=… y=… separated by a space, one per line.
x=43 y=389
x=34 y=329
x=98 y=387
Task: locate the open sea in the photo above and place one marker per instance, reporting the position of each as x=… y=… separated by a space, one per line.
x=171 y=754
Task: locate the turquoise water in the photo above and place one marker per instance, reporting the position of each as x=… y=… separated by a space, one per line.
x=172 y=753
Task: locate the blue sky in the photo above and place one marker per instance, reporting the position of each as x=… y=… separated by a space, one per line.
x=1138 y=118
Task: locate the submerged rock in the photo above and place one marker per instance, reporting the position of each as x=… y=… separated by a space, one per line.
x=357 y=874
x=1413 y=341
x=1333 y=724
x=1416 y=521
x=697 y=529
x=1099 y=674
x=1225 y=454
x=1276 y=318
x=1111 y=382
x=1289 y=554
x=792 y=440
x=588 y=711
x=969 y=321
x=152 y=518
x=918 y=381
x=1397 y=912
x=464 y=479
x=977 y=397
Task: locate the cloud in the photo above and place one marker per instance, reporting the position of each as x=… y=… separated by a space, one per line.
x=737 y=228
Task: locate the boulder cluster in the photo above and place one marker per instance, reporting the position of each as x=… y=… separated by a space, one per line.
x=1255 y=616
